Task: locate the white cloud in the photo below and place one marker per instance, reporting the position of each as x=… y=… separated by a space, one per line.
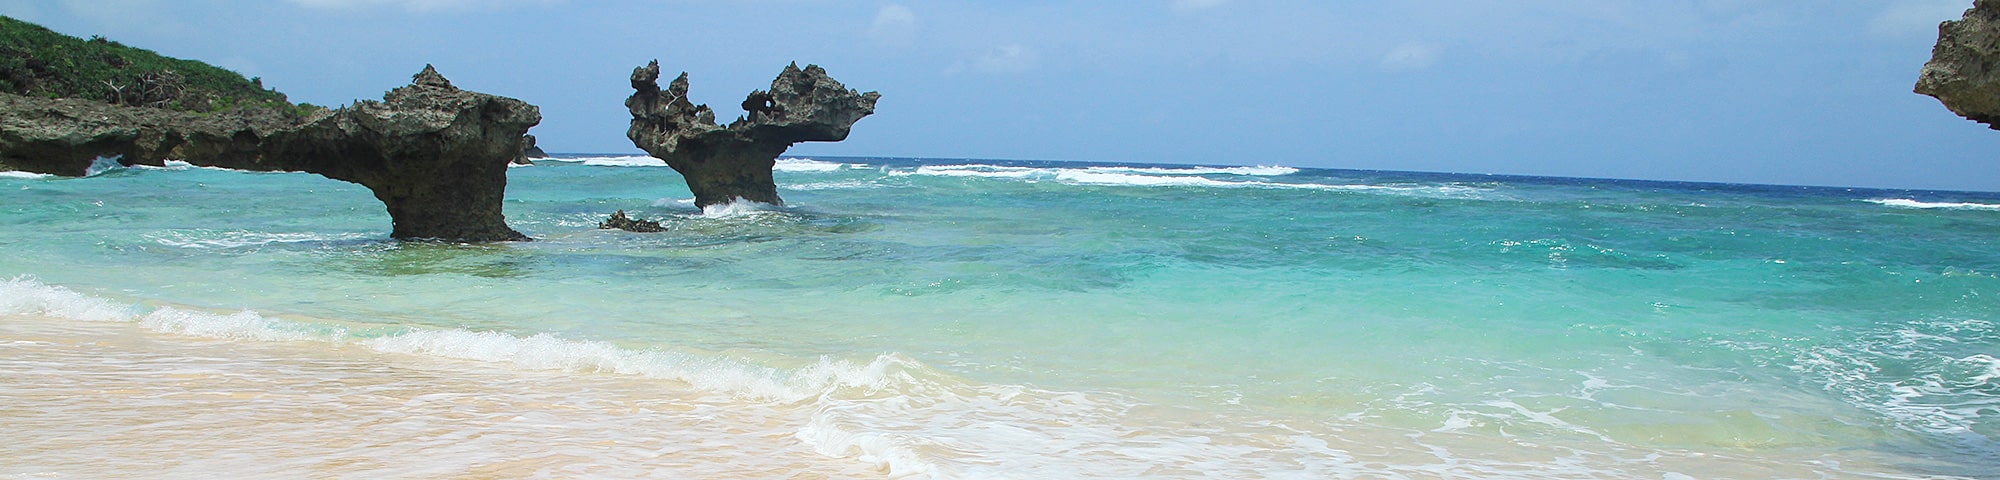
x=1915 y=18
x=894 y=25
x=1003 y=59
x=1410 y=56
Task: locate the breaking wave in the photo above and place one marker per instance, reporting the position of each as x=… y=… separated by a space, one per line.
x=610 y=161
x=1912 y=203
x=893 y=413
x=807 y=165
x=1195 y=177
x=202 y=238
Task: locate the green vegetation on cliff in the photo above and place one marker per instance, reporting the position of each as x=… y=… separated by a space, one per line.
x=36 y=61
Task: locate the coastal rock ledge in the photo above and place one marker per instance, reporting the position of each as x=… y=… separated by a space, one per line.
x=435 y=155
x=723 y=164
x=1964 y=71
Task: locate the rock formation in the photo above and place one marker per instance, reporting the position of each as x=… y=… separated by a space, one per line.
x=64 y=136
x=621 y=222
x=529 y=151
x=435 y=155
x=723 y=164
x=1964 y=71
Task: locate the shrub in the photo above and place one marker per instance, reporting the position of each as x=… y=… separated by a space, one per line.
x=38 y=61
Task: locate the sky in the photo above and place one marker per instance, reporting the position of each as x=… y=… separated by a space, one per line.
x=1745 y=91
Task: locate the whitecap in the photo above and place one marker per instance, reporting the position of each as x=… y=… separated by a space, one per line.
x=736 y=208
x=172 y=165
x=246 y=325
x=24 y=175
x=847 y=185
x=978 y=170
x=182 y=165
x=23 y=295
x=1196 y=177
x=202 y=238
x=1903 y=373
x=1257 y=171
x=103 y=164
x=631 y=161
x=807 y=165
x=1102 y=178
x=1913 y=203
x=612 y=161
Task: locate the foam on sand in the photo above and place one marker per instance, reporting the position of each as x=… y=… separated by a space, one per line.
x=888 y=415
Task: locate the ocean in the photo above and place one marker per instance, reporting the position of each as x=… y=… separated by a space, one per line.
x=940 y=318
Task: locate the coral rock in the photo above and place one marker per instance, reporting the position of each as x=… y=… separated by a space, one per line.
x=619 y=221
x=723 y=164
x=1964 y=71
x=435 y=155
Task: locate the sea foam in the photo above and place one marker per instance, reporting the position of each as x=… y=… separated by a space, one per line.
x=1191 y=177
x=736 y=208
x=100 y=165
x=611 y=161
x=1912 y=203
x=807 y=165
x=1259 y=170
x=1905 y=373
x=891 y=412
x=24 y=295
x=201 y=238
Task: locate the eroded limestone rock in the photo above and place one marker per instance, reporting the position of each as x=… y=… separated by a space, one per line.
x=619 y=221
x=723 y=164
x=435 y=155
x=1964 y=71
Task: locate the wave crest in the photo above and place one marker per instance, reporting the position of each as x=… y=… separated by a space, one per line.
x=23 y=295
x=1913 y=203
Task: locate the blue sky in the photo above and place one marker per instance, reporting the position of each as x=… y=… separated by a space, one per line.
x=1754 y=91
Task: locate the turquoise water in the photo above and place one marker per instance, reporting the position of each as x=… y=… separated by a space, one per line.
x=985 y=319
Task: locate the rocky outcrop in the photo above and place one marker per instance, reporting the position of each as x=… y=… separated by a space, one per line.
x=1964 y=71
x=722 y=164
x=619 y=221
x=435 y=155
x=529 y=151
x=65 y=136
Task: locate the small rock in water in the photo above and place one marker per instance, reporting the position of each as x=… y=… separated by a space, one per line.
x=619 y=221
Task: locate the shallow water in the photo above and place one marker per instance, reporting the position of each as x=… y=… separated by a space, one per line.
x=977 y=319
